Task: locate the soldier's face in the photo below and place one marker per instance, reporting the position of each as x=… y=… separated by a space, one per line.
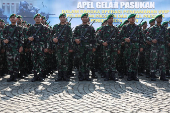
x=145 y=25
x=131 y=20
x=13 y=19
x=2 y=24
x=19 y=20
x=159 y=19
x=62 y=19
x=37 y=19
x=85 y=19
x=110 y=20
x=43 y=21
x=166 y=25
x=153 y=23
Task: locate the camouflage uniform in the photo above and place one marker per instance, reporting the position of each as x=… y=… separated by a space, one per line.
x=109 y=53
x=12 y=50
x=85 y=49
x=23 y=57
x=62 y=49
x=168 y=53
x=2 y=56
x=157 y=55
x=37 y=49
x=131 y=52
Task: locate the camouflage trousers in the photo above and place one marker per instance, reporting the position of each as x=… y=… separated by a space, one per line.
x=38 y=57
x=85 y=54
x=62 y=55
x=109 y=55
x=13 y=60
x=97 y=58
x=157 y=57
x=2 y=60
x=120 y=62
x=131 y=55
x=147 y=57
x=168 y=59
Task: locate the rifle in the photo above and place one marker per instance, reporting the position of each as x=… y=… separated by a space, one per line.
x=35 y=36
x=10 y=37
x=134 y=31
x=72 y=29
x=110 y=37
x=59 y=37
x=158 y=36
x=82 y=37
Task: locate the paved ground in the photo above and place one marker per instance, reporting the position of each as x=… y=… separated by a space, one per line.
x=96 y=96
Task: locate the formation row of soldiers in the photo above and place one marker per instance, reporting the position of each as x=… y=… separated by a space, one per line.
x=128 y=49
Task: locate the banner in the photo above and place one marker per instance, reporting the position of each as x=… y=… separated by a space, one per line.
x=97 y=10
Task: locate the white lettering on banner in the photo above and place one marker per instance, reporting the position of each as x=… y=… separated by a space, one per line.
x=107 y=5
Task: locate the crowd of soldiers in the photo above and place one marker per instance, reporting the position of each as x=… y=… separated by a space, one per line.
x=125 y=50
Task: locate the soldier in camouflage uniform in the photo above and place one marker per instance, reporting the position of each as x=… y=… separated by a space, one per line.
x=70 y=57
x=22 y=64
x=13 y=47
x=121 y=67
x=63 y=46
x=110 y=48
x=158 y=55
x=148 y=49
x=99 y=49
x=87 y=45
x=165 y=24
x=141 y=66
x=2 y=51
x=38 y=47
x=132 y=46
x=46 y=55
x=29 y=63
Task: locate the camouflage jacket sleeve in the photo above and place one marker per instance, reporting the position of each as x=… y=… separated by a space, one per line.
x=93 y=39
x=122 y=33
x=100 y=39
x=54 y=31
x=90 y=34
x=46 y=36
x=43 y=33
x=168 y=35
x=103 y=36
x=139 y=34
x=29 y=32
x=154 y=31
x=7 y=31
x=70 y=37
x=75 y=35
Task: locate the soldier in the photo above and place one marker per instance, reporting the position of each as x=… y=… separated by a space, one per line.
x=46 y=55
x=157 y=36
x=109 y=39
x=99 y=49
x=141 y=66
x=121 y=67
x=132 y=46
x=87 y=45
x=13 y=47
x=70 y=56
x=22 y=63
x=148 y=49
x=38 y=47
x=2 y=51
x=165 y=24
x=64 y=46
